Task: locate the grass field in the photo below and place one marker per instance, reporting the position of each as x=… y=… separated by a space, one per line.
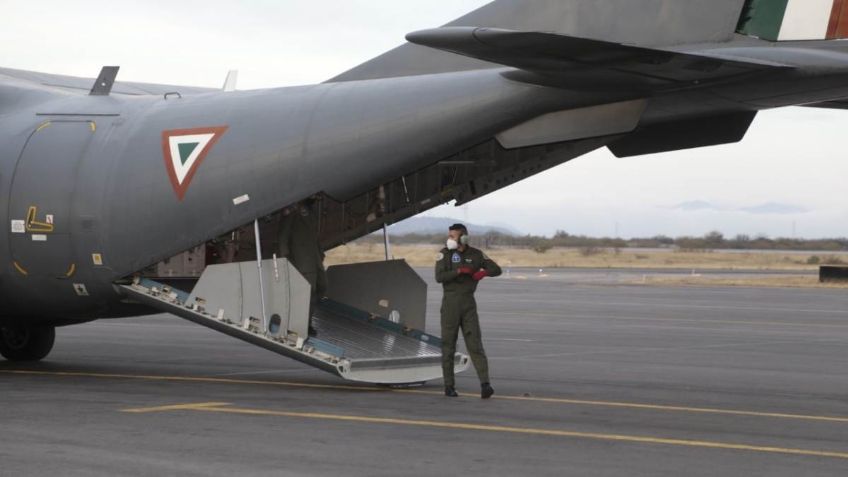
x=781 y=281
x=425 y=255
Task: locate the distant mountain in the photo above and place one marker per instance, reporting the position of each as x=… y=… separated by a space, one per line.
x=775 y=208
x=695 y=205
x=439 y=225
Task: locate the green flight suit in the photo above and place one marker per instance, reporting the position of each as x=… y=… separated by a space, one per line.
x=297 y=240
x=459 y=309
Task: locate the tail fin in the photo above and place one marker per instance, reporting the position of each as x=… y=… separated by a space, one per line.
x=783 y=20
x=639 y=22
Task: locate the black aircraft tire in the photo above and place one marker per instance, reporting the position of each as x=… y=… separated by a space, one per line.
x=25 y=343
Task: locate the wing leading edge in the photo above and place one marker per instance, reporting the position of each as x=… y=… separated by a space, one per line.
x=589 y=64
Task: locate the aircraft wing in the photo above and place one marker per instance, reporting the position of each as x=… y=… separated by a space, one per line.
x=586 y=63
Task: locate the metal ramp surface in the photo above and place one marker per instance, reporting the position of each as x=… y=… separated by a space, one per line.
x=352 y=344
x=372 y=341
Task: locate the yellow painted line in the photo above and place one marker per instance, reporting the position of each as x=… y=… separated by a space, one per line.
x=574 y=402
x=93 y=126
x=521 y=430
x=71 y=270
x=192 y=379
x=176 y=407
x=20 y=269
x=696 y=410
x=44 y=125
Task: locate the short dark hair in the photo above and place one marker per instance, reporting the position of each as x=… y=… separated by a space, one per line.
x=460 y=228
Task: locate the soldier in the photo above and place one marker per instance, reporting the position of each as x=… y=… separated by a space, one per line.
x=298 y=241
x=459 y=268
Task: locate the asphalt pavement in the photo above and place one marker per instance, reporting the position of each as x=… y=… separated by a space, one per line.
x=592 y=378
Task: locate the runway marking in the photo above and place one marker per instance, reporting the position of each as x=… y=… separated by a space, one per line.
x=176 y=407
x=193 y=379
x=694 y=410
x=673 y=320
x=573 y=402
x=700 y=307
x=662 y=349
x=225 y=409
x=256 y=373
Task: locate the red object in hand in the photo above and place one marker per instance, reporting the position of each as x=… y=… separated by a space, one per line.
x=481 y=274
x=466 y=271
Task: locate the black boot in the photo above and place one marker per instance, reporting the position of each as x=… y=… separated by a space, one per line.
x=486 y=391
x=450 y=391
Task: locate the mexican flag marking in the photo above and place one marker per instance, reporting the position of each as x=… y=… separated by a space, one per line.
x=184 y=150
x=785 y=20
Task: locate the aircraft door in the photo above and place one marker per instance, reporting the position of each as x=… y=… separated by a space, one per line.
x=42 y=197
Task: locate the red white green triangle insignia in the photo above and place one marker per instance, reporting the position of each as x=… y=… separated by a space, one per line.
x=184 y=150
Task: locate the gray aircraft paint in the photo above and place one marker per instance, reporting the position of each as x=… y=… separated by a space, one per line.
x=340 y=138
x=642 y=22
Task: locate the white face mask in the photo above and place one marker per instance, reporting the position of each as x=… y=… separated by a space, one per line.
x=452 y=244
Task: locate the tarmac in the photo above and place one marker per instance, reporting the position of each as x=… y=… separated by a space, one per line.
x=593 y=378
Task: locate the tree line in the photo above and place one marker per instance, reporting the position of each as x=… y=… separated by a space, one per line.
x=562 y=239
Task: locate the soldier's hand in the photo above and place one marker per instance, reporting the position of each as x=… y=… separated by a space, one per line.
x=465 y=271
x=481 y=274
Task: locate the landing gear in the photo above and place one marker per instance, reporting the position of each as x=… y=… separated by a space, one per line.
x=26 y=343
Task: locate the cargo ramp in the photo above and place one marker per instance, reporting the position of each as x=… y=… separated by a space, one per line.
x=369 y=329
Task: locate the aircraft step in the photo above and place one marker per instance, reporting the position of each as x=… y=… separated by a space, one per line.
x=350 y=343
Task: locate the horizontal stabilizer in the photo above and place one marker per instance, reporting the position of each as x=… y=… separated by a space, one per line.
x=838 y=104
x=585 y=63
x=642 y=22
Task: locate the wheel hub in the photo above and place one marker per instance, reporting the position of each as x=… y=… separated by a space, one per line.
x=15 y=338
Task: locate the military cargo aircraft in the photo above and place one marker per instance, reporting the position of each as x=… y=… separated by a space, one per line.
x=126 y=199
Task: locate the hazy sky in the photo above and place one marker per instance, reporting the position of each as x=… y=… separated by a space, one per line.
x=790 y=175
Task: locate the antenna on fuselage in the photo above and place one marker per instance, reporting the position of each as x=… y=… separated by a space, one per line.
x=230 y=82
x=105 y=81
